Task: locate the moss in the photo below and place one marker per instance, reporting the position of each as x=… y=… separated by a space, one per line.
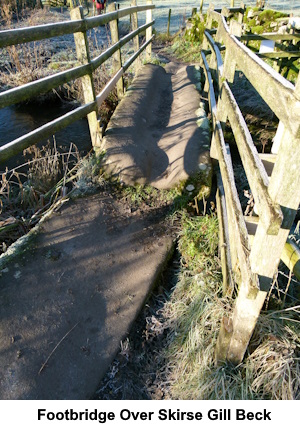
x=269 y=15
x=258 y=29
x=261 y=21
x=254 y=9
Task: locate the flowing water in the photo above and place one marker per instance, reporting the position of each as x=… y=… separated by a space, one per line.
x=16 y=121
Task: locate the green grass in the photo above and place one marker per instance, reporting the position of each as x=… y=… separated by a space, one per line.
x=184 y=50
x=270 y=369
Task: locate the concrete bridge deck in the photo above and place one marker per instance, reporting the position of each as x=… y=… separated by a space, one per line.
x=72 y=295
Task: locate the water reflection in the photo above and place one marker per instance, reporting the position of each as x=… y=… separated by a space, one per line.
x=16 y=121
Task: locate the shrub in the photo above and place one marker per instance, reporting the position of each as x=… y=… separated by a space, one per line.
x=196 y=31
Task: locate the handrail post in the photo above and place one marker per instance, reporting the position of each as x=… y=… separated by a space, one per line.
x=149 y=32
x=83 y=55
x=117 y=59
x=136 y=43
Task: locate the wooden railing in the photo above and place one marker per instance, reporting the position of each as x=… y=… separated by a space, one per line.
x=79 y=25
x=250 y=248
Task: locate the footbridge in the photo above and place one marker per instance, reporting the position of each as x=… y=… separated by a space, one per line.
x=71 y=288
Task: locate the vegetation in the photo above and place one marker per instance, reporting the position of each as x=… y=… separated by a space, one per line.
x=196 y=307
x=262 y=21
x=47 y=177
x=186 y=45
x=180 y=326
x=187 y=321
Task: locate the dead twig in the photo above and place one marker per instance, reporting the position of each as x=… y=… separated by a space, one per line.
x=52 y=352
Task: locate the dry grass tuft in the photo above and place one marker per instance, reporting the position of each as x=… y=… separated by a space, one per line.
x=28 y=191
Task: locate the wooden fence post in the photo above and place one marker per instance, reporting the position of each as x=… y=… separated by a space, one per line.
x=149 y=32
x=83 y=55
x=117 y=60
x=241 y=14
x=169 y=21
x=284 y=189
x=201 y=6
x=136 y=43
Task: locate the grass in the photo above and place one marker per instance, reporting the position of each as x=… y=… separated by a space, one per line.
x=29 y=191
x=173 y=356
x=193 y=314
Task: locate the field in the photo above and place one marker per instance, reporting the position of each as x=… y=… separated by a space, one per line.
x=183 y=9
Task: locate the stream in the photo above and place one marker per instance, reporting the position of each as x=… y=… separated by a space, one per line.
x=16 y=121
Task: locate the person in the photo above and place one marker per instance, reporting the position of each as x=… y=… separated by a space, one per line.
x=100 y=4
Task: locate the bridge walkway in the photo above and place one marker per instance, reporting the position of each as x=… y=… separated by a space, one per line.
x=71 y=292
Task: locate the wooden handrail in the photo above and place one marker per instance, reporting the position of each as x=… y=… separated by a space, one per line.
x=216 y=52
x=17 y=145
x=43 y=85
x=270 y=213
x=238 y=230
x=32 y=89
x=277 y=92
x=276 y=198
x=45 y=31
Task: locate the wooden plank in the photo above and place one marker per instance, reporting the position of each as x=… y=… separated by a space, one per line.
x=35 y=88
x=224 y=242
x=235 y=216
x=232 y=344
x=270 y=36
x=209 y=85
x=279 y=54
x=290 y=255
x=244 y=318
x=38 y=32
x=216 y=51
x=270 y=213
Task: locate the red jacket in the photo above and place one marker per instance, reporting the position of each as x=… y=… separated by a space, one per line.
x=99 y=5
